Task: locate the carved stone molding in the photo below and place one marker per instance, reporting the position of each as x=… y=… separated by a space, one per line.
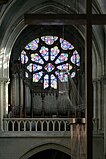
x=6 y=80
x=104 y=79
x=101 y=79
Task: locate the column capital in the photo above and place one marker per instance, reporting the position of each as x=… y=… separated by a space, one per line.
x=104 y=79
x=96 y=80
x=5 y=80
x=100 y=79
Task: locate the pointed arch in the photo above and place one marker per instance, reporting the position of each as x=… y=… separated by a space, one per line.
x=46 y=146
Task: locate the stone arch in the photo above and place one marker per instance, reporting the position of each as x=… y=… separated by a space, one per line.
x=98 y=51
x=46 y=146
x=16 y=25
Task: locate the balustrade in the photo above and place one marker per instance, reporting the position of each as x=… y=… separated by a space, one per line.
x=39 y=124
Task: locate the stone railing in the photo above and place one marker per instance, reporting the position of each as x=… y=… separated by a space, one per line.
x=39 y=124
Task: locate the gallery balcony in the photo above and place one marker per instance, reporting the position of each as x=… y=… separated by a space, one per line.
x=42 y=126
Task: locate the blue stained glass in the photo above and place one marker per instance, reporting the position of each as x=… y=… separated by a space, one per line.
x=34 y=67
x=44 y=52
x=24 y=58
x=49 y=67
x=35 y=57
x=63 y=67
x=73 y=74
x=53 y=82
x=33 y=45
x=65 y=45
x=37 y=76
x=49 y=40
x=54 y=52
x=50 y=56
x=46 y=81
x=63 y=57
x=75 y=58
x=63 y=76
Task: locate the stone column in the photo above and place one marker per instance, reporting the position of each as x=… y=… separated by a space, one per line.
x=6 y=98
x=17 y=90
x=94 y=99
x=27 y=100
x=21 y=97
x=3 y=101
x=104 y=96
x=99 y=97
x=1 y=104
x=24 y=108
x=16 y=85
x=98 y=103
x=13 y=94
x=102 y=106
x=95 y=109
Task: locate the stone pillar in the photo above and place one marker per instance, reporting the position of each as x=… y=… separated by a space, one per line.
x=17 y=90
x=3 y=101
x=95 y=108
x=104 y=102
x=102 y=105
x=27 y=100
x=12 y=94
x=94 y=99
x=99 y=105
x=21 y=97
x=16 y=85
x=15 y=94
x=6 y=98
x=1 y=104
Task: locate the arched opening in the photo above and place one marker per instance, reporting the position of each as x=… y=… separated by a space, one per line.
x=47 y=73
x=50 y=154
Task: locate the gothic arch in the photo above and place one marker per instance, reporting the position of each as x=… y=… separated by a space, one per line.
x=46 y=146
x=15 y=28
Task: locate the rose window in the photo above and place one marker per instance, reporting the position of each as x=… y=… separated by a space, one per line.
x=50 y=59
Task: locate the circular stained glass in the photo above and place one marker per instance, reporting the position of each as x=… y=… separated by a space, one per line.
x=50 y=59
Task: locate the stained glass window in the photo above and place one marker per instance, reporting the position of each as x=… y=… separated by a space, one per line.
x=44 y=52
x=63 y=57
x=37 y=76
x=50 y=59
x=63 y=76
x=35 y=57
x=53 y=82
x=46 y=81
x=34 y=67
x=33 y=45
x=73 y=75
x=75 y=58
x=24 y=58
x=65 y=45
x=63 y=67
x=54 y=52
x=49 y=40
x=49 y=67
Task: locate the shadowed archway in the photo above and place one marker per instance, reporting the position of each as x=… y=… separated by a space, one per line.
x=50 y=154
